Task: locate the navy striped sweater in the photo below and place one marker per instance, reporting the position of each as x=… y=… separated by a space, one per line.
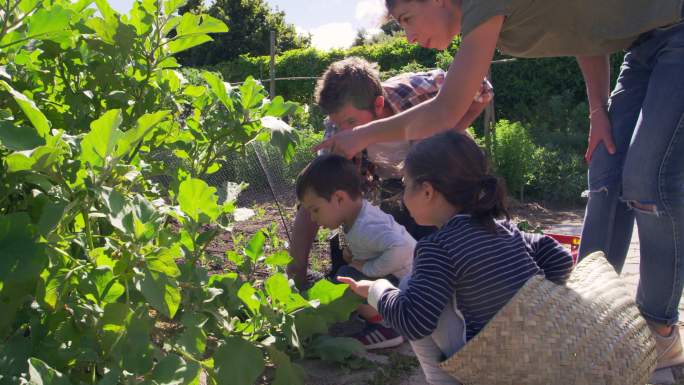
x=483 y=270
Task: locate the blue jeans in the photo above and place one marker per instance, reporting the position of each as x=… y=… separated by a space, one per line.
x=644 y=179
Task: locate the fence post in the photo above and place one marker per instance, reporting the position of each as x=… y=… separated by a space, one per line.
x=272 y=65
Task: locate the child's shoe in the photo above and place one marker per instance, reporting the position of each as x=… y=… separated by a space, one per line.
x=377 y=336
x=669 y=349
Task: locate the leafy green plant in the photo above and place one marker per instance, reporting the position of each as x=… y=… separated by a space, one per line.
x=512 y=152
x=102 y=267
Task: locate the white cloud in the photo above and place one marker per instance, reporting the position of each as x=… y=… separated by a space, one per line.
x=370 y=13
x=332 y=35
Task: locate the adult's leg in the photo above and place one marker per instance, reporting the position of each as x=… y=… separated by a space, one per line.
x=653 y=181
x=608 y=222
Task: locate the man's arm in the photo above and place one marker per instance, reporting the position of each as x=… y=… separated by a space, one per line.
x=473 y=112
x=596 y=72
x=303 y=234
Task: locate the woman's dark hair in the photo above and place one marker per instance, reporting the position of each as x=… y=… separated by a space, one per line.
x=458 y=168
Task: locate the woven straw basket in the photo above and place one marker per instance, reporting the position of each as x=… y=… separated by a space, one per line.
x=589 y=332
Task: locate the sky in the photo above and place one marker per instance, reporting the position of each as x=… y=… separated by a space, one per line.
x=331 y=23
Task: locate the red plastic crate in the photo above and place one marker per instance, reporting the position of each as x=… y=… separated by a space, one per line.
x=570 y=240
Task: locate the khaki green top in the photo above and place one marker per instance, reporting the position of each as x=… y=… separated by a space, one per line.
x=539 y=28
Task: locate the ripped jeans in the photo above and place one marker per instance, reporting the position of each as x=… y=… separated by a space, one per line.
x=644 y=179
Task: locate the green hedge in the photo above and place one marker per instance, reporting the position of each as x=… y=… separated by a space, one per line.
x=312 y=62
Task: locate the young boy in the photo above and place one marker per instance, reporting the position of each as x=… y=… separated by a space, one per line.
x=329 y=189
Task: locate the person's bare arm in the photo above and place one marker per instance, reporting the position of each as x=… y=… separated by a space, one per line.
x=596 y=72
x=440 y=113
x=303 y=234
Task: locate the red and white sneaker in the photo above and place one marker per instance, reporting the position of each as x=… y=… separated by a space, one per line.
x=377 y=336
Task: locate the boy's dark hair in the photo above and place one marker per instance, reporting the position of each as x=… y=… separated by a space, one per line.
x=352 y=80
x=327 y=174
x=458 y=168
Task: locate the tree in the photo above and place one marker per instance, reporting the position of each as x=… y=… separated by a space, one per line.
x=360 y=38
x=250 y=23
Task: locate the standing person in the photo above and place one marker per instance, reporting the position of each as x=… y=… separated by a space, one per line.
x=350 y=93
x=636 y=138
x=471 y=267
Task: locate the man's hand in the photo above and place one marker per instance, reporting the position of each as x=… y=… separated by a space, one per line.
x=600 y=131
x=361 y=288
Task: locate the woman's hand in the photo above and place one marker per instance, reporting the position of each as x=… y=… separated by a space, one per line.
x=347 y=143
x=600 y=131
x=361 y=288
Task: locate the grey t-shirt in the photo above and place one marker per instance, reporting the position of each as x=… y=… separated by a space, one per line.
x=383 y=244
x=543 y=28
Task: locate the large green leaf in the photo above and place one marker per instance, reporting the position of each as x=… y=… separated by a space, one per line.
x=105 y=30
x=164 y=261
x=219 y=88
x=37 y=118
x=251 y=93
x=19 y=138
x=336 y=349
x=255 y=246
x=116 y=207
x=140 y=19
x=278 y=259
x=193 y=340
x=197 y=199
x=47 y=21
x=22 y=259
x=40 y=159
x=173 y=370
x=161 y=292
x=114 y=323
x=278 y=107
x=106 y=10
x=137 y=350
x=335 y=303
x=41 y=373
x=144 y=126
x=99 y=144
x=247 y=295
x=171 y=6
x=278 y=287
x=187 y=42
x=108 y=287
x=286 y=373
x=192 y=24
x=238 y=362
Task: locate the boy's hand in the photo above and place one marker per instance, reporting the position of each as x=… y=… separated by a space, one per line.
x=361 y=288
